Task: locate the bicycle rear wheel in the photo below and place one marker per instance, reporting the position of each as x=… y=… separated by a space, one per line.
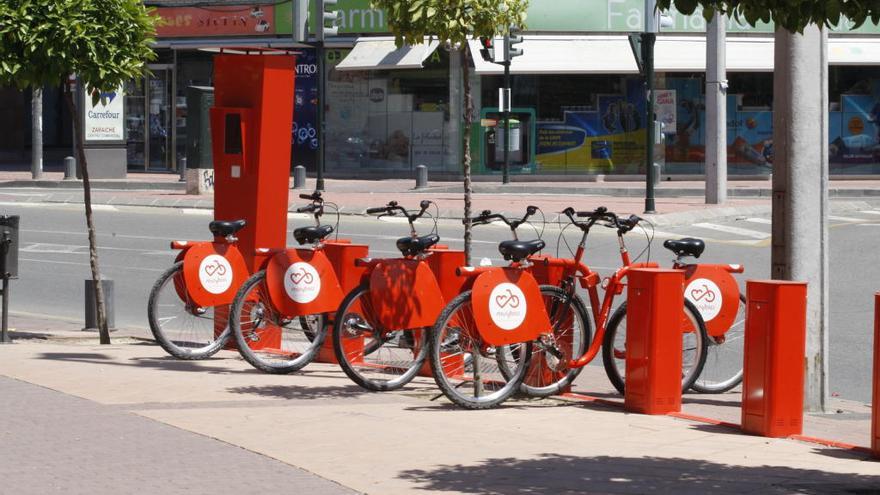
x=373 y=357
x=548 y=373
x=270 y=341
x=724 y=357
x=184 y=329
x=694 y=344
x=471 y=373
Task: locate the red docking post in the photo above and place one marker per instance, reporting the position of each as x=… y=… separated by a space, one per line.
x=653 y=340
x=773 y=367
x=875 y=409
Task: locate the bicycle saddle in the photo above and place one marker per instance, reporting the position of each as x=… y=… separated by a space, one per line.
x=410 y=246
x=223 y=228
x=311 y=235
x=520 y=250
x=685 y=247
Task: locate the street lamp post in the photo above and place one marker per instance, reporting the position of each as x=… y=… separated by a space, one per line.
x=649 y=36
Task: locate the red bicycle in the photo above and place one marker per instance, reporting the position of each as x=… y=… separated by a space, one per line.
x=559 y=355
x=188 y=306
x=379 y=331
x=278 y=316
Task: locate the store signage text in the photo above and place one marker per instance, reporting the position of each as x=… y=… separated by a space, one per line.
x=104 y=119
x=196 y=21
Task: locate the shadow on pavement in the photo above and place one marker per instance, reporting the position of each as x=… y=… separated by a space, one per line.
x=161 y=363
x=307 y=393
x=556 y=474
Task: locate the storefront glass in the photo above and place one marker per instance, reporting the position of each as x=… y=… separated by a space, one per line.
x=389 y=120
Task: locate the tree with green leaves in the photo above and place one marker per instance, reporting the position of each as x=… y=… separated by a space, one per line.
x=453 y=23
x=792 y=15
x=104 y=43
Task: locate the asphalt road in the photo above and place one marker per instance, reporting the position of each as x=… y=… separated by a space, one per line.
x=133 y=248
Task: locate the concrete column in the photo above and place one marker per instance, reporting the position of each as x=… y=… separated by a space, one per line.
x=716 y=111
x=37 y=133
x=800 y=189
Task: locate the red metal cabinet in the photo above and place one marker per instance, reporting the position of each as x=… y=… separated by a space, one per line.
x=653 y=340
x=875 y=409
x=773 y=368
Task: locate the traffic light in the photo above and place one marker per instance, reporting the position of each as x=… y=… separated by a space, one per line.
x=514 y=38
x=487 y=48
x=325 y=19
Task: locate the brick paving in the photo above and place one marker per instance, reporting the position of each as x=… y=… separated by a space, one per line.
x=51 y=442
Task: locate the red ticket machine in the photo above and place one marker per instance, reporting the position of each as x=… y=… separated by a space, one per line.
x=655 y=297
x=773 y=367
x=251 y=124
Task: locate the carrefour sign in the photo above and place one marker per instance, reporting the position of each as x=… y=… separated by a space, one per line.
x=104 y=120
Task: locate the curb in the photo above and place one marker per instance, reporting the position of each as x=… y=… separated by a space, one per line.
x=207 y=204
x=120 y=185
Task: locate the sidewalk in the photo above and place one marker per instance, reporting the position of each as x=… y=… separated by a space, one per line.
x=677 y=202
x=400 y=442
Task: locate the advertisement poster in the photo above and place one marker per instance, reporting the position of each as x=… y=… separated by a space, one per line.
x=104 y=120
x=610 y=139
x=216 y=21
x=855 y=134
x=304 y=142
x=665 y=108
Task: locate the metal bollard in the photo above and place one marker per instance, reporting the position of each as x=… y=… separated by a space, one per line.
x=299 y=177
x=421 y=177
x=91 y=306
x=69 y=168
x=181 y=167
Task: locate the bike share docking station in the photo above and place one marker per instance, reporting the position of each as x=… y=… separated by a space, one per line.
x=251 y=124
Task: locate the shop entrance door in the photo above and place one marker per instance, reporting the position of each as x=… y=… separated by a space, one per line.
x=159 y=109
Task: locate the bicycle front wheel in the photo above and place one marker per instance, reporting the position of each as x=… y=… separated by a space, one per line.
x=184 y=329
x=373 y=357
x=724 y=357
x=694 y=342
x=270 y=341
x=471 y=373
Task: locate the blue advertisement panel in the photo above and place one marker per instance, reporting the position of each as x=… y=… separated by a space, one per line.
x=610 y=138
x=304 y=141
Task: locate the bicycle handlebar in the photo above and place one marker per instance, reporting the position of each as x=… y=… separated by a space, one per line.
x=393 y=207
x=306 y=209
x=599 y=214
x=315 y=196
x=486 y=216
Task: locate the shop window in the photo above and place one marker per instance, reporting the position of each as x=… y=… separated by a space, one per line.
x=390 y=120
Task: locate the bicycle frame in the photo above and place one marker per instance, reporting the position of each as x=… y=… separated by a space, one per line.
x=574 y=269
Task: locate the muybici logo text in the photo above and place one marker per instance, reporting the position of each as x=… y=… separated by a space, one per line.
x=302 y=283
x=706 y=296
x=507 y=306
x=215 y=274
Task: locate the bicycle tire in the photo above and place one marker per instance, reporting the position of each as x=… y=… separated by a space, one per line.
x=689 y=373
x=194 y=336
x=254 y=320
x=445 y=346
x=379 y=353
x=732 y=347
x=579 y=334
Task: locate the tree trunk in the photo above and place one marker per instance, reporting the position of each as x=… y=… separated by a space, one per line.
x=464 y=51
x=103 y=331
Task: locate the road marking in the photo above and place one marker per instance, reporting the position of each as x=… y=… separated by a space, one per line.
x=104 y=208
x=754 y=234
x=46 y=248
x=103 y=267
x=869 y=225
x=763 y=221
x=845 y=219
x=398 y=220
x=870 y=212
x=197 y=211
x=100 y=234
x=299 y=216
